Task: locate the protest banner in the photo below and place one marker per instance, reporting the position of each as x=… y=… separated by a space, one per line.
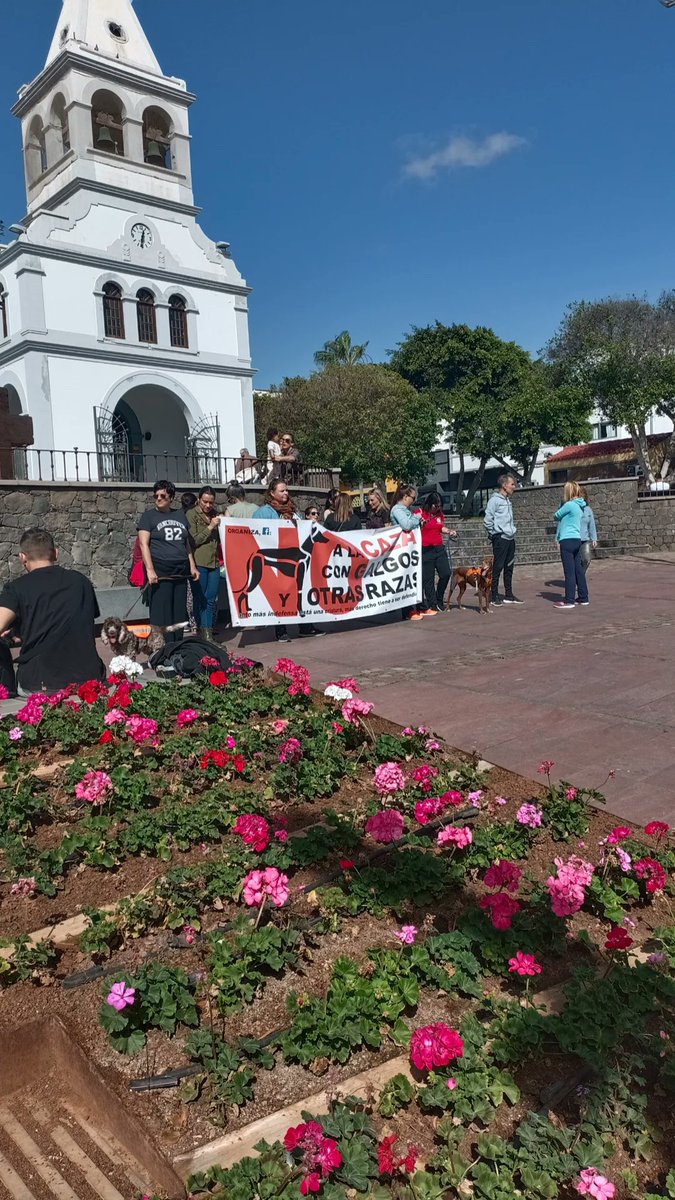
x=281 y=571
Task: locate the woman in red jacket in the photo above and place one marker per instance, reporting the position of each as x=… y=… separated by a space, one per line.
x=435 y=558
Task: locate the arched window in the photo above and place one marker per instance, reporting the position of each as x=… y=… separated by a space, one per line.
x=113 y=311
x=4 y=323
x=178 y=323
x=36 y=151
x=59 y=123
x=107 y=121
x=157 y=136
x=147 y=317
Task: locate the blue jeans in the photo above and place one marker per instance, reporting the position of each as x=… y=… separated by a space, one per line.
x=205 y=596
x=575 y=575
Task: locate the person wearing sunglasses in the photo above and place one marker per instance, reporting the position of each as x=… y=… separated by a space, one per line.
x=312 y=512
x=164 y=536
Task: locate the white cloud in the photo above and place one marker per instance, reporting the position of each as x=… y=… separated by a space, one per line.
x=463 y=152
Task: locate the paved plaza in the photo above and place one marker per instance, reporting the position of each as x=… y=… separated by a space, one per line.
x=592 y=689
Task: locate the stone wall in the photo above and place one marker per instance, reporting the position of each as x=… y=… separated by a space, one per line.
x=94 y=524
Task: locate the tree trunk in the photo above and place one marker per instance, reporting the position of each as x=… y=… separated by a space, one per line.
x=511 y=469
x=477 y=480
x=669 y=453
x=460 y=483
x=529 y=470
x=639 y=437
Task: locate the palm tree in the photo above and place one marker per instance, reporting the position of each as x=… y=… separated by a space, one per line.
x=340 y=352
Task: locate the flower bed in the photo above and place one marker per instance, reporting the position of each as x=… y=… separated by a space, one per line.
x=282 y=891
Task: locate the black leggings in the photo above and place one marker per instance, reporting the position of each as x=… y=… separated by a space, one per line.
x=435 y=561
x=168 y=605
x=504 y=551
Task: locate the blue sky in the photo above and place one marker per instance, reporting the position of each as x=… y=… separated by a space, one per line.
x=382 y=163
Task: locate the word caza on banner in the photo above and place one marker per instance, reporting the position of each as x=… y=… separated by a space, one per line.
x=287 y=571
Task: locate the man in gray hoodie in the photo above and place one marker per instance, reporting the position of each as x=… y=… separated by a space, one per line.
x=501 y=529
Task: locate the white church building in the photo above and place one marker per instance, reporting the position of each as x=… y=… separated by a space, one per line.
x=123 y=327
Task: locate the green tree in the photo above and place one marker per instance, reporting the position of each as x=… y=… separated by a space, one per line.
x=366 y=420
x=341 y=351
x=548 y=412
x=622 y=352
x=487 y=391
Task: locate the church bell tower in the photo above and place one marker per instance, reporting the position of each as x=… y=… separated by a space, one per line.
x=125 y=328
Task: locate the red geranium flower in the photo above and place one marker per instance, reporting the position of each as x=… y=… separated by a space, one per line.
x=619 y=834
x=106 y=738
x=218 y=679
x=654 y=872
x=657 y=829
x=91 y=691
x=618 y=939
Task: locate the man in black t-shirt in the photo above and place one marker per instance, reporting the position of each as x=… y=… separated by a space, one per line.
x=54 y=611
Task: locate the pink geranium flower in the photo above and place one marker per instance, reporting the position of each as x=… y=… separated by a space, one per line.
x=353 y=710
x=592 y=1183
x=546 y=766
x=187 y=717
x=291 y=751
x=529 y=814
x=502 y=909
x=424 y=776
x=619 y=834
x=116 y=716
x=141 y=729
x=524 y=964
x=253 y=830
x=95 y=787
x=268 y=883
x=386 y=826
x=389 y=777
x=407 y=934
x=15 y=734
x=435 y=1046
x=425 y=810
x=120 y=996
x=24 y=887
x=460 y=837
x=503 y=874
x=567 y=888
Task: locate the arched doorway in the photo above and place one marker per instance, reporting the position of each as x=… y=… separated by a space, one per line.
x=128 y=436
x=142 y=433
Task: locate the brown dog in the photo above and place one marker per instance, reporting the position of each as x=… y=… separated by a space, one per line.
x=479 y=578
x=119 y=638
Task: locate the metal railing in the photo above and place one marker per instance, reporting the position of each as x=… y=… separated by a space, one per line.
x=116 y=466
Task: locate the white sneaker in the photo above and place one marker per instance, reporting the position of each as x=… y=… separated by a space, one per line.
x=561 y=604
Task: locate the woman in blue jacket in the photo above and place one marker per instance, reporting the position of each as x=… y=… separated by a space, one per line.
x=568 y=536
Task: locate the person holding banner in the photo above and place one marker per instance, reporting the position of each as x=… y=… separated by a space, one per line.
x=435 y=559
x=280 y=506
x=378 y=516
x=401 y=515
x=343 y=518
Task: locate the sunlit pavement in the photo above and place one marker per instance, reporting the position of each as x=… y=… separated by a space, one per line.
x=592 y=689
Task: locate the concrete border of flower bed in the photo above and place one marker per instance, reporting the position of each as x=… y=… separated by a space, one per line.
x=232 y=1147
